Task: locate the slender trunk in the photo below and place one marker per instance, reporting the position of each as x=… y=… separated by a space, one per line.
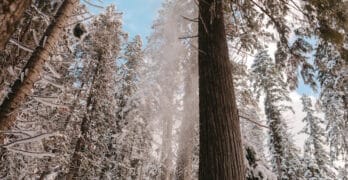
x=167 y=155
x=187 y=133
x=11 y=11
x=23 y=86
x=221 y=153
x=81 y=143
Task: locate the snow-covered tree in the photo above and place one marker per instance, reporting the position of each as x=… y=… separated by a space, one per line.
x=35 y=146
x=134 y=152
x=332 y=69
x=251 y=125
x=269 y=80
x=165 y=54
x=95 y=155
x=315 y=156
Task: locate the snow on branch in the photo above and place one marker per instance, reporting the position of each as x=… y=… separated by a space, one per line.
x=44 y=16
x=21 y=46
x=48 y=102
x=254 y=122
x=30 y=153
x=53 y=71
x=92 y=4
x=31 y=139
x=16 y=132
x=188 y=37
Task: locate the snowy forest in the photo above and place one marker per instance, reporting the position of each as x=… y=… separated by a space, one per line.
x=207 y=95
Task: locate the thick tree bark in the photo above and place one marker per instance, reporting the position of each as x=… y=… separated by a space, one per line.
x=221 y=153
x=187 y=132
x=11 y=11
x=23 y=86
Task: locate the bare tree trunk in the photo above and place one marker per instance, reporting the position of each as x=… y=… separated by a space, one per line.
x=187 y=133
x=23 y=86
x=11 y=11
x=221 y=153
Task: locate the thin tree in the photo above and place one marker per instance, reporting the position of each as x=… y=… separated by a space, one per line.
x=10 y=14
x=269 y=80
x=221 y=153
x=315 y=154
x=93 y=154
x=23 y=86
x=76 y=159
x=190 y=119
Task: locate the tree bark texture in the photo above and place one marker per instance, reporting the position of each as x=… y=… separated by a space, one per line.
x=23 y=86
x=11 y=12
x=221 y=153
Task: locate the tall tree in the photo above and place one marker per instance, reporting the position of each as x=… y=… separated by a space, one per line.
x=315 y=153
x=132 y=153
x=251 y=126
x=187 y=132
x=99 y=123
x=221 y=154
x=166 y=52
x=10 y=14
x=269 y=80
x=23 y=86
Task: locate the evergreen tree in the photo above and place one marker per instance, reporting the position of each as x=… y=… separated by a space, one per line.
x=94 y=155
x=134 y=153
x=166 y=53
x=315 y=156
x=252 y=128
x=333 y=97
x=268 y=79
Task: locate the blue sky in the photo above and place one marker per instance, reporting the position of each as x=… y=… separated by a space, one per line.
x=138 y=15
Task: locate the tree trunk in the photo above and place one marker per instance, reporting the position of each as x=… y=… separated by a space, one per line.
x=23 y=86
x=11 y=11
x=221 y=153
x=187 y=132
x=81 y=143
x=167 y=154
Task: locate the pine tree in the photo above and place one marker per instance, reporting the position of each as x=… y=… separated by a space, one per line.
x=333 y=96
x=98 y=123
x=187 y=132
x=166 y=53
x=251 y=125
x=268 y=79
x=315 y=156
x=133 y=153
